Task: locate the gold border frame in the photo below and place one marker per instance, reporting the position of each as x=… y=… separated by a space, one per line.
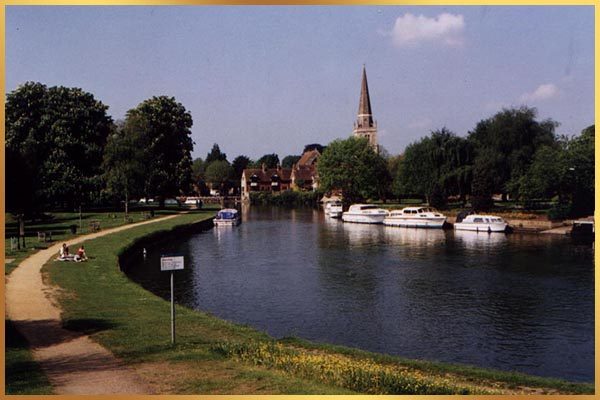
x=595 y=3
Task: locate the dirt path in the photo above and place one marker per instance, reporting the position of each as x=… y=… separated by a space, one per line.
x=73 y=362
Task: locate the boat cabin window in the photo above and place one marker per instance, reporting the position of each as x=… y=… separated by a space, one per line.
x=368 y=207
x=477 y=220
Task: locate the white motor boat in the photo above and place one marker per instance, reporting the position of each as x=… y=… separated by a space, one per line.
x=481 y=223
x=334 y=209
x=418 y=217
x=364 y=214
x=227 y=217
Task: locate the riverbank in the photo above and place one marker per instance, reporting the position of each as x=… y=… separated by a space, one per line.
x=215 y=356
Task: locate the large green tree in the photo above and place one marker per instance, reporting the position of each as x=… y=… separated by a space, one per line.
x=218 y=174
x=353 y=167
x=55 y=137
x=124 y=161
x=165 y=125
x=510 y=138
x=437 y=166
x=581 y=174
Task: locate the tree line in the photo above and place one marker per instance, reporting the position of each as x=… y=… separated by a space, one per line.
x=63 y=150
x=510 y=154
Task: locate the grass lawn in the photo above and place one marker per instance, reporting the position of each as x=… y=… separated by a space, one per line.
x=213 y=356
x=57 y=225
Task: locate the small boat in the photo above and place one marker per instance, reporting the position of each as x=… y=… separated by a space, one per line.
x=227 y=217
x=415 y=217
x=334 y=208
x=481 y=223
x=364 y=214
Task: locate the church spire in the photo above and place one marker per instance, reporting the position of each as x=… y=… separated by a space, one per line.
x=365 y=125
x=364 y=106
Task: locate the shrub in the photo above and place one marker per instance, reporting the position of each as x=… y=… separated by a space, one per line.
x=559 y=211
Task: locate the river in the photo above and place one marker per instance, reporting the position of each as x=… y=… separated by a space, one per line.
x=517 y=302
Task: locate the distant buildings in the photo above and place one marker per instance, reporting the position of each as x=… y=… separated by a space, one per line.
x=302 y=176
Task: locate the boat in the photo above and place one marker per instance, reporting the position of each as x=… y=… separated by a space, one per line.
x=481 y=223
x=227 y=217
x=417 y=217
x=334 y=208
x=364 y=214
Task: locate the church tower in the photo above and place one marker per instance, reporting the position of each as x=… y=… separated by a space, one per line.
x=365 y=126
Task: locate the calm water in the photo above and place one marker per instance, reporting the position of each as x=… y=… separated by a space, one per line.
x=511 y=302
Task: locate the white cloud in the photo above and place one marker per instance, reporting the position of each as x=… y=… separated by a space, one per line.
x=410 y=30
x=543 y=92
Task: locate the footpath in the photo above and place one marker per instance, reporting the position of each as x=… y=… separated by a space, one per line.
x=73 y=363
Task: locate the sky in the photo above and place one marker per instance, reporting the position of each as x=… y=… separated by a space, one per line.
x=271 y=79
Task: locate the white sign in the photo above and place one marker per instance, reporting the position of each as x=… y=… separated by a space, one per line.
x=171 y=263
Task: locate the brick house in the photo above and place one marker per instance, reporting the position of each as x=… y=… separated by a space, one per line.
x=302 y=176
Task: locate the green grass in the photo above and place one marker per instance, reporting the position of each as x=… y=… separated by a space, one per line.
x=23 y=375
x=134 y=324
x=58 y=225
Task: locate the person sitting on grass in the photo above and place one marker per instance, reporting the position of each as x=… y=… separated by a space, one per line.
x=63 y=254
x=80 y=256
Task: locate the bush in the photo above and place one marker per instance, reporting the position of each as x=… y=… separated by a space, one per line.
x=560 y=211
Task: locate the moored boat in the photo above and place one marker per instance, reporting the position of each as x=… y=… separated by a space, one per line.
x=419 y=217
x=481 y=223
x=227 y=217
x=334 y=209
x=364 y=214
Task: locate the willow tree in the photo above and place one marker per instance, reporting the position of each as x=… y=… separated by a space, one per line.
x=353 y=167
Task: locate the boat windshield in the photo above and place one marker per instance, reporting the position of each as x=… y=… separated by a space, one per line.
x=368 y=207
x=226 y=215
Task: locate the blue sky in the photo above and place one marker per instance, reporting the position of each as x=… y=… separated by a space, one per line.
x=263 y=79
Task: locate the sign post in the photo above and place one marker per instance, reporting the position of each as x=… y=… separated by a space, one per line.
x=172 y=263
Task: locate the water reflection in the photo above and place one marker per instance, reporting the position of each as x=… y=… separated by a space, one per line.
x=514 y=302
x=477 y=240
x=414 y=236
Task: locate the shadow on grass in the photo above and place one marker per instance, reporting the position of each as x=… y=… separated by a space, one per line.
x=88 y=326
x=23 y=375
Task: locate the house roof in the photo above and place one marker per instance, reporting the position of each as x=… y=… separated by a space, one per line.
x=305 y=172
x=265 y=175
x=309 y=157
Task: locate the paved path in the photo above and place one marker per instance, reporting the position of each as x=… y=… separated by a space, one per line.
x=73 y=362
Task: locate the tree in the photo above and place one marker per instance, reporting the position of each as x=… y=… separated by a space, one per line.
x=435 y=167
x=218 y=174
x=239 y=164
x=353 y=167
x=215 y=155
x=314 y=146
x=56 y=135
x=511 y=137
x=581 y=174
x=546 y=175
x=289 y=161
x=270 y=160
x=124 y=160
x=198 y=166
x=166 y=129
